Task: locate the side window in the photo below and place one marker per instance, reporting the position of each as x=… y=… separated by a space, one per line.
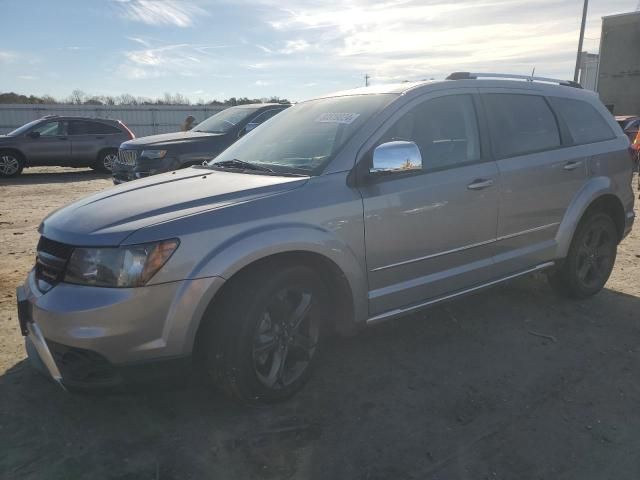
x=264 y=116
x=520 y=124
x=585 y=123
x=99 y=128
x=77 y=127
x=445 y=130
x=50 y=129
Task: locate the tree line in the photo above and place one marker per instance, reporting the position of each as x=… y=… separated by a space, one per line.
x=78 y=97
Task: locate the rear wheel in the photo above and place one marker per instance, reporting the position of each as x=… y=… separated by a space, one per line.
x=105 y=161
x=265 y=344
x=591 y=258
x=11 y=164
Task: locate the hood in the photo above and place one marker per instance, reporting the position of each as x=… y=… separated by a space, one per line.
x=109 y=217
x=171 y=139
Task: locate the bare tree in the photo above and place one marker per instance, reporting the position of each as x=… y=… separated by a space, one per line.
x=78 y=97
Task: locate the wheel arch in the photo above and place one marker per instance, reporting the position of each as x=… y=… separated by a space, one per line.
x=342 y=320
x=597 y=195
x=291 y=244
x=15 y=151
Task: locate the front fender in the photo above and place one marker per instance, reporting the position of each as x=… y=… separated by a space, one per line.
x=244 y=249
x=594 y=188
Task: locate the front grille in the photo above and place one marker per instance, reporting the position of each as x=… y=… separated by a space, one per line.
x=127 y=157
x=51 y=261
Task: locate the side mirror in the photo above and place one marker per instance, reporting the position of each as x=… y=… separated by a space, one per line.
x=33 y=135
x=398 y=156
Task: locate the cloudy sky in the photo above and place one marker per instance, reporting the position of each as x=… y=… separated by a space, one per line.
x=289 y=48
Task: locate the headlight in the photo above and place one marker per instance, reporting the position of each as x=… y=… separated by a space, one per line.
x=153 y=154
x=130 y=266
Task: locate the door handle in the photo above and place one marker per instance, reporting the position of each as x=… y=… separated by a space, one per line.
x=571 y=166
x=100 y=137
x=480 y=184
x=62 y=138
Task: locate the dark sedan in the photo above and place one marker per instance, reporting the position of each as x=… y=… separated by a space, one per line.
x=170 y=151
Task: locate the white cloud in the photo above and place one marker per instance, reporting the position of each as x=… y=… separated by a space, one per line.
x=261 y=83
x=6 y=57
x=295 y=46
x=27 y=77
x=265 y=49
x=182 y=59
x=414 y=39
x=161 y=12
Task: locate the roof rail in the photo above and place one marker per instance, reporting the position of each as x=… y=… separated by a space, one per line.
x=475 y=76
x=50 y=116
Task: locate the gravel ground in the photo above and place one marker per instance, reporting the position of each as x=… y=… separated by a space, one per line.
x=469 y=390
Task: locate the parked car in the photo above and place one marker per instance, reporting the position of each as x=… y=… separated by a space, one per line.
x=62 y=141
x=146 y=156
x=341 y=212
x=630 y=125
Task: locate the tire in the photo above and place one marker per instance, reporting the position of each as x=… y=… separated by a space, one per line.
x=105 y=161
x=266 y=316
x=11 y=164
x=591 y=258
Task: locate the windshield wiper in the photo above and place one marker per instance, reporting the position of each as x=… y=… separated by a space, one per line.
x=235 y=163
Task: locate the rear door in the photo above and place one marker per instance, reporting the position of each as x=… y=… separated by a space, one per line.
x=429 y=233
x=51 y=147
x=539 y=176
x=85 y=141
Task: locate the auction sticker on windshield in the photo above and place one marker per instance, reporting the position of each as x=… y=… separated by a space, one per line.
x=345 y=118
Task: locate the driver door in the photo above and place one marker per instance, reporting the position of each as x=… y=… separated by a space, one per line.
x=429 y=232
x=47 y=144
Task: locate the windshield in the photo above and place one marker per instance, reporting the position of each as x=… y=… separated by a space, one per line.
x=225 y=120
x=304 y=138
x=23 y=128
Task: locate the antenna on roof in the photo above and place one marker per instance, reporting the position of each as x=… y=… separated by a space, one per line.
x=533 y=74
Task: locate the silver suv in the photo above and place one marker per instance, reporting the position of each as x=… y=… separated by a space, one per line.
x=341 y=212
x=62 y=141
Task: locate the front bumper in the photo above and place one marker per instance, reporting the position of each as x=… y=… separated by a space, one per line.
x=80 y=334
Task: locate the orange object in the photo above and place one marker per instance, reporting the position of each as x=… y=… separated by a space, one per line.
x=636 y=142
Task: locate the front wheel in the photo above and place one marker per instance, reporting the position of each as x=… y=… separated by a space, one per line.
x=11 y=164
x=591 y=258
x=266 y=342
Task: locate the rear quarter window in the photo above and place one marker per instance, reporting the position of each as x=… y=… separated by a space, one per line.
x=585 y=123
x=520 y=124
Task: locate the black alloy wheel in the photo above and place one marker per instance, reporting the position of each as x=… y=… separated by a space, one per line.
x=263 y=335
x=591 y=258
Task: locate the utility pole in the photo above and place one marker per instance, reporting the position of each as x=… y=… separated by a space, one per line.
x=366 y=79
x=579 y=56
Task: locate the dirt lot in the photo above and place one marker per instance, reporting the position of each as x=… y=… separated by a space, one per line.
x=464 y=391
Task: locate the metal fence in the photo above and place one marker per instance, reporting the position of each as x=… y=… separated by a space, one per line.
x=141 y=119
